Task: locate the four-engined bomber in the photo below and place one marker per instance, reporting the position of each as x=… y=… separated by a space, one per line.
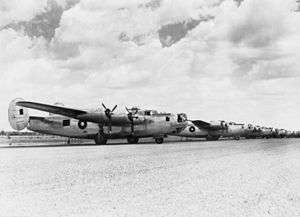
x=104 y=123
x=99 y=124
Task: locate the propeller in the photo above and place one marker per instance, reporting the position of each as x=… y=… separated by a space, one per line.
x=224 y=125
x=108 y=112
x=131 y=117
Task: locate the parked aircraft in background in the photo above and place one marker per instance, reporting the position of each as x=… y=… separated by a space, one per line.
x=214 y=130
x=98 y=124
x=267 y=132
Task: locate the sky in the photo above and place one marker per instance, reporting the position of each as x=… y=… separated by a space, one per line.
x=211 y=59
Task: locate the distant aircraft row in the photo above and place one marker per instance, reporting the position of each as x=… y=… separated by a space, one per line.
x=104 y=123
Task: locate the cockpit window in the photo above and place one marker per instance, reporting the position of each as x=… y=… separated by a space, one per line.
x=148 y=113
x=167 y=118
x=21 y=111
x=66 y=123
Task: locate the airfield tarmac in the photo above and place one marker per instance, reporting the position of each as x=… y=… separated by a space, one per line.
x=199 y=178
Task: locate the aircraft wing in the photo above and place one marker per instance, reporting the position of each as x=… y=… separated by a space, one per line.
x=95 y=117
x=69 y=112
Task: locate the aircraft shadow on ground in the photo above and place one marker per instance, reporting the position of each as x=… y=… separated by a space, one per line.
x=13 y=146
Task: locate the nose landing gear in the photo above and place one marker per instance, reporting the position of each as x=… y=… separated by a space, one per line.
x=212 y=138
x=159 y=140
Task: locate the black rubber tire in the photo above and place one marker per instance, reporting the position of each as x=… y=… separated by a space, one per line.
x=100 y=139
x=159 y=140
x=132 y=140
x=212 y=138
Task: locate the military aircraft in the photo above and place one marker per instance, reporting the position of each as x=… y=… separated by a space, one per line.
x=214 y=130
x=282 y=133
x=254 y=132
x=98 y=124
x=267 y=132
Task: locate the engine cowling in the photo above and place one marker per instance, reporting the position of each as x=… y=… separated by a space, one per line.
x=18 y=116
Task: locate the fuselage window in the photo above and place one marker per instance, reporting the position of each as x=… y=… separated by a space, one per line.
x=66 y=123
x=21 y=111
x=167 y=118
x=148 y=113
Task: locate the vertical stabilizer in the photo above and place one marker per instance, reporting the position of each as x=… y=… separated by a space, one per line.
x=18 y=116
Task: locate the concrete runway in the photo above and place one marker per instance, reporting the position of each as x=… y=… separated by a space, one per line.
x=223 y=178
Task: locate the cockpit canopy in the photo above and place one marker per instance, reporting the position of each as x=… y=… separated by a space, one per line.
x=148 y=112
x=181 y=117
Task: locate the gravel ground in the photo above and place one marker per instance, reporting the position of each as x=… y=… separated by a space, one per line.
x=224 y=178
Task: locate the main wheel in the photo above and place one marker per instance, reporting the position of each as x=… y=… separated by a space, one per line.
x=212 y=138
x=100 y=139
x=159 y=140
x=132 y=140
x=237 y=138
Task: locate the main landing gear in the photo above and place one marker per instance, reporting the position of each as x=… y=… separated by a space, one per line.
x=132 y=140
x=100 y=139
x=212 y=138
x=159 y=140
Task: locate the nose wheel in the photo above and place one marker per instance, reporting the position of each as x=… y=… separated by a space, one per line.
x=159 y=140
x=237 y=138
x=132 y=140
x=212 y=138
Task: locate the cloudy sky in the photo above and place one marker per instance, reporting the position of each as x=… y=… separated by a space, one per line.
x=212 y=59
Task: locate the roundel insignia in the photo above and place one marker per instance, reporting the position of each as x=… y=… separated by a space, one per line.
x=192 y=129
x=82 y=124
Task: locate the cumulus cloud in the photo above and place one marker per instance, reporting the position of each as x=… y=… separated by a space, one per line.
x=15 y=10
x=240 y=64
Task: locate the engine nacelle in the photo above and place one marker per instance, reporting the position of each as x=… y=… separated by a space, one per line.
x=18 y=116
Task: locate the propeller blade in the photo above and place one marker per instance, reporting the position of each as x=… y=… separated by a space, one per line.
x=104 y=106
x=108 y=114
x=114 y=108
